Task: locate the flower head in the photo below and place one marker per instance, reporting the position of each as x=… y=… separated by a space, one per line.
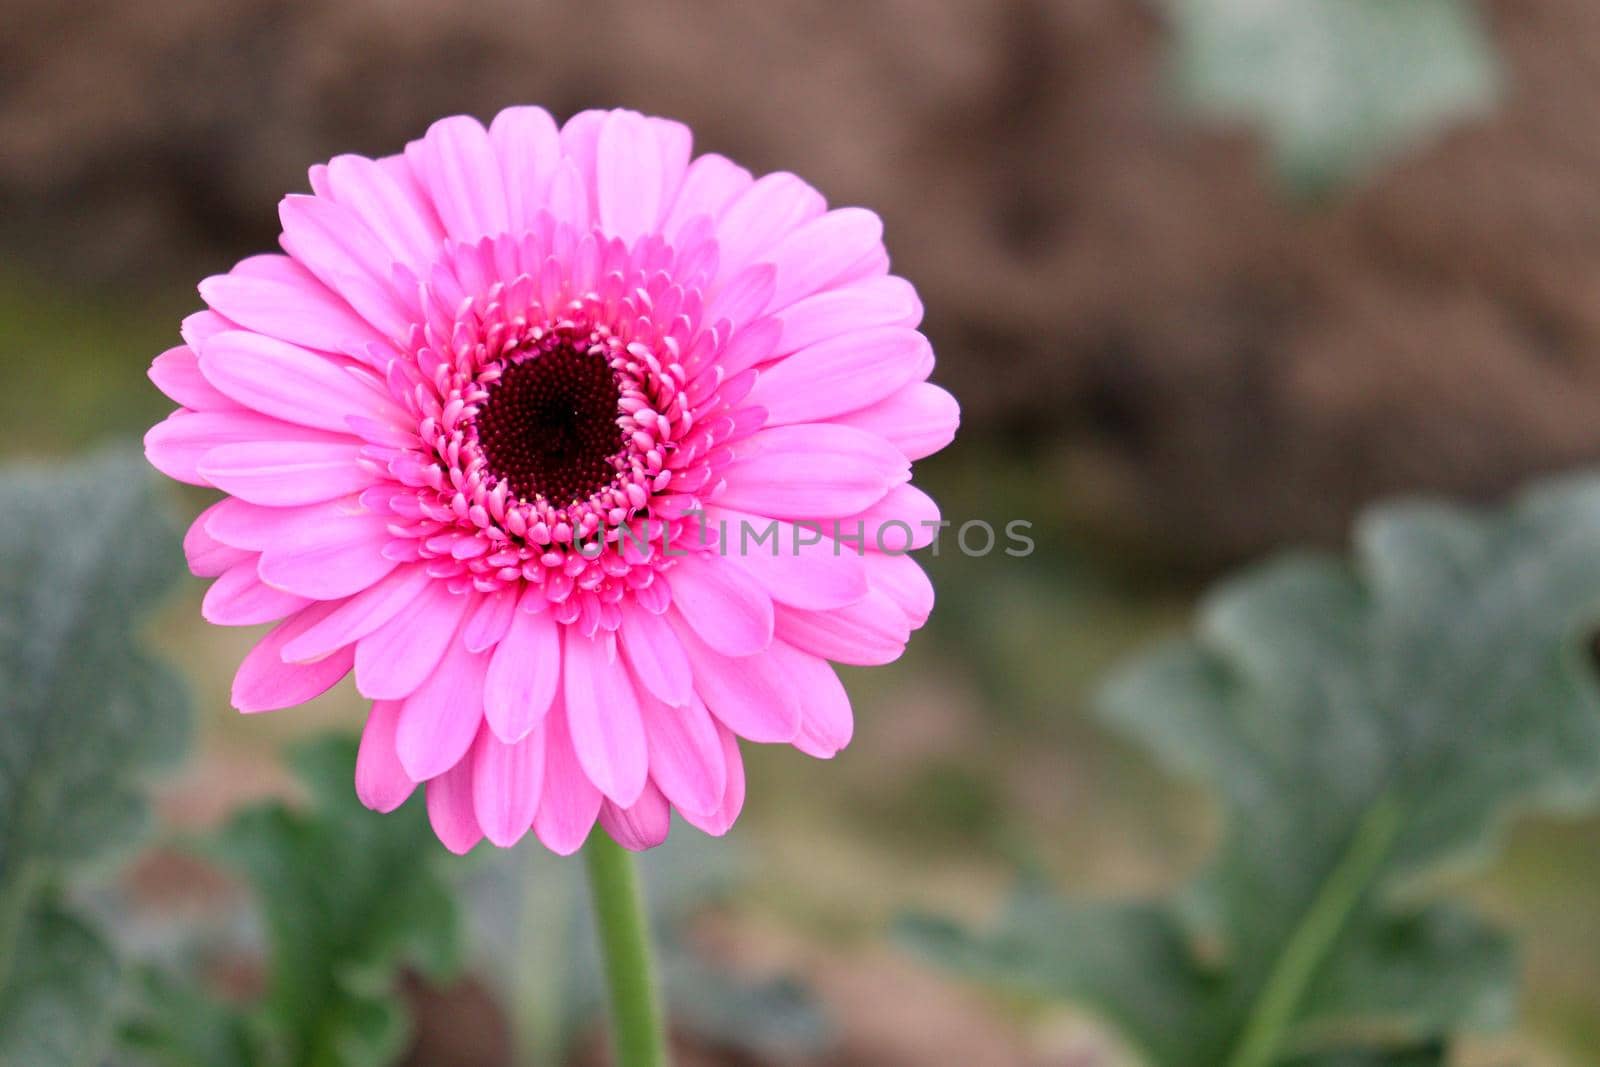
x=586 y=458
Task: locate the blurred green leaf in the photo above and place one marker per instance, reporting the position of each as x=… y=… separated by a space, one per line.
x=175 y=1024
x=1367 y=727
x=84 y=717
x=53 y=1006
x=1427 y=1054
x=348 y=896
x=83 y=552
x=1336 y=86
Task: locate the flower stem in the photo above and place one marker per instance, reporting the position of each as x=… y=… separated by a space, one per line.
x=637 y=1029
x=16 y=894
x=536 y=1022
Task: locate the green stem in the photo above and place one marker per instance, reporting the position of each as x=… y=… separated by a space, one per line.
x=16 y=894
x=1273 y=1014
x=535 y=1020
x=637 y=1028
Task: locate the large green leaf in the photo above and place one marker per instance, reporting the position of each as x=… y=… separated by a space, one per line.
x=1336 y=86
x=83 y=713
x=1366 y=725
x=348 y=896
x=84 y=717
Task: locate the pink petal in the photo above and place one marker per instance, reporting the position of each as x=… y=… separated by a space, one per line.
x=654 y=654
x=528 y=146
x=766 y=212
x=490 y=620
x=286 y=473
x=328 y=556
x=725 y=606
x=265 y=682
x=200 y=327
x=450 y=809
x=240 y=598
x=360 y=615
x=919 y=419
x=905 y=519
x=881 y=301
x=818 y=252
x=826 y=721
x=251 y=526
x=711 y=183
x=440 y=719
x=580 y=142
x=458 y=166
x=396 y=658
x=334 y=244
x=811 y=470
x=732 y=796
x=523 y=676
x=381 y=783
x=870 y=632
x=744 y=297
x=643 y=825
x=292 y=383
x=207 y=556
x=396 y=212
x=293 y=306
x=753 y=695
x=676 y=143
x=571 y=802
x=628 y=176
x=506 y=784
x=901 y=579
x=603 y=716
x=751 y=345
x=569 y=197
x=798 y=566
x=875 y=264
x=176 y=372
x=176 y=445
x=847 y=373
x=686 y=758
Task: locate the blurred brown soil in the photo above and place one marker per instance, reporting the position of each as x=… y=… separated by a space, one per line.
x=1220 y=370
x=886 y=1010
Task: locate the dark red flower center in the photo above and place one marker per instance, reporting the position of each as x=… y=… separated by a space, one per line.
x=549 y=426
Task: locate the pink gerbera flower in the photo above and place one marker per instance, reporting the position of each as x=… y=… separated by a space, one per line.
x=536 y=430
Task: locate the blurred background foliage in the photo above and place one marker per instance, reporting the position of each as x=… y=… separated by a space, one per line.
x=1209 y=277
